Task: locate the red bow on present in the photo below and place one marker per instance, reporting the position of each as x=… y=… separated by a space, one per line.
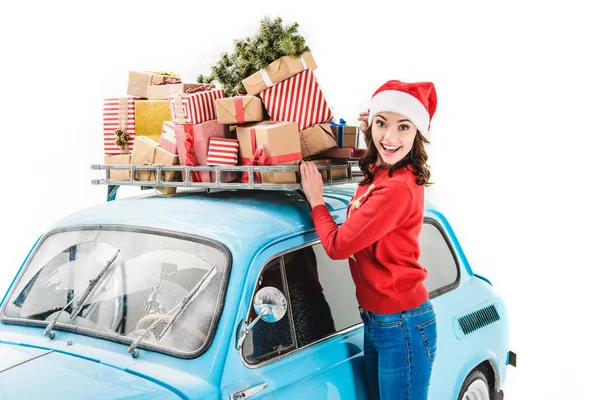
x=201 y=88
x=169 y=81
x=190 y=157
x=259 y=157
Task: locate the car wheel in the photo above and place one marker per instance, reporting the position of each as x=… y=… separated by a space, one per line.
x=475 y=387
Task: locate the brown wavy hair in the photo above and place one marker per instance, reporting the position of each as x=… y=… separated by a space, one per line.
x=416 y=158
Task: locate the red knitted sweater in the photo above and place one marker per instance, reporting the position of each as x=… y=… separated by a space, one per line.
x=381 y=240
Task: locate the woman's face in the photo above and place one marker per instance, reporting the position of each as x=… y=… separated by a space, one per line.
x=393 y=136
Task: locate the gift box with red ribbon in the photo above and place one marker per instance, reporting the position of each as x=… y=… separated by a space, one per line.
x=239 y=109
x=222 y=151
x=119 y=114
x=270 y=143
x=196 y=106
x=192 y=147
x=298 y=99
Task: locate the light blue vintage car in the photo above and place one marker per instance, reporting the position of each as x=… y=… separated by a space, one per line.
x=224 y=295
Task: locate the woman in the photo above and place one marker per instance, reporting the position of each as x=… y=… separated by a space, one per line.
x=381 y=239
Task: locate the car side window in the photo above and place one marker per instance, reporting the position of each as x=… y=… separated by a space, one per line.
x=322 y=294
x=269 y=339
x=321 y=301
x=439 y=259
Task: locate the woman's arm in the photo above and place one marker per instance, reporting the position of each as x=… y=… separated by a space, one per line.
x=383 y=211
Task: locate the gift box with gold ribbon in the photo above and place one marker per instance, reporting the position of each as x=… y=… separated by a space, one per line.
x=139 y=81
x=166 y=90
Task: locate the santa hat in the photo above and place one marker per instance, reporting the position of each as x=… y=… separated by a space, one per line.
x=417 y=101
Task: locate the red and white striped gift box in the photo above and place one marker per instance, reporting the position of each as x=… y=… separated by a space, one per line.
x=222 y=151
x=196 y=107
x=297 y=99
x=118 y=113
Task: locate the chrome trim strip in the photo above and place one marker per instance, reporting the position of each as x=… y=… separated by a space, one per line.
x=26 y=361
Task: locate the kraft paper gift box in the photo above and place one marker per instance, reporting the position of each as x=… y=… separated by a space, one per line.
x=164 y=157
x=118 y=159
x=118 y=113
x=346 y=135
x=279 y=70
x=239 y=109
x=270 y=143
x=316 y=139
x=192 y=148
x=298 y=99
x=139 y=82
x=149 y=117
x=336 y=173
x=163 y=92
x=195 y=108
x=143 y=154
x=167 y=137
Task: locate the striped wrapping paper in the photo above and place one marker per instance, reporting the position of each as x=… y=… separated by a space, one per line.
x=222 y=151
x=297 y=99
x=196 y=107
x=118 y=113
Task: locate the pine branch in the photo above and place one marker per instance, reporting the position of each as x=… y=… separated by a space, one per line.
x=272 y=41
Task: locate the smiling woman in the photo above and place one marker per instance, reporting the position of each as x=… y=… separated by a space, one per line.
x=393 y=139
x=380 y=239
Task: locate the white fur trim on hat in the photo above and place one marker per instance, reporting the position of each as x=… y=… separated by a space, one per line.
x=401 y=103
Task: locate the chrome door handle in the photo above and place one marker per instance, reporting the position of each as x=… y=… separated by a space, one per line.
x=244 y=394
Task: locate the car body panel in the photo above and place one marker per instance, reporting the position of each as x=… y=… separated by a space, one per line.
x=58 y=375
x=256 y=226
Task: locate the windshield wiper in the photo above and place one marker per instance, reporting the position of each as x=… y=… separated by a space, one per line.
x=179 y=308
x=83 y=295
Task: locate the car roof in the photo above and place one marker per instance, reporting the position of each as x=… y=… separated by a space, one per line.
x=239 y=218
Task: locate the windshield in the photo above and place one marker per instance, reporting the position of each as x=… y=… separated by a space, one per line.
x=152 y=274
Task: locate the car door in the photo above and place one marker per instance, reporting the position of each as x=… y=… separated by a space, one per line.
x=316 y=349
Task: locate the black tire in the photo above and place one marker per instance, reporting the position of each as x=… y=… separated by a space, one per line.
x=474 y=375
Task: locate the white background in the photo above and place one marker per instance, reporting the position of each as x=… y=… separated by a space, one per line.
x=514 y=152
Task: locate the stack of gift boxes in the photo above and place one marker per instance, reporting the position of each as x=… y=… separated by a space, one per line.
x=283 y=118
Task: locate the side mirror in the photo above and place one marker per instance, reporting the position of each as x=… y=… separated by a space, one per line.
x=270 y=305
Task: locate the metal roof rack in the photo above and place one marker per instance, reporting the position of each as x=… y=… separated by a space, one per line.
x=353 y=175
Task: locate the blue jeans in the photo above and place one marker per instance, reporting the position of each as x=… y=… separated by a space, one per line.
x=399 y=352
